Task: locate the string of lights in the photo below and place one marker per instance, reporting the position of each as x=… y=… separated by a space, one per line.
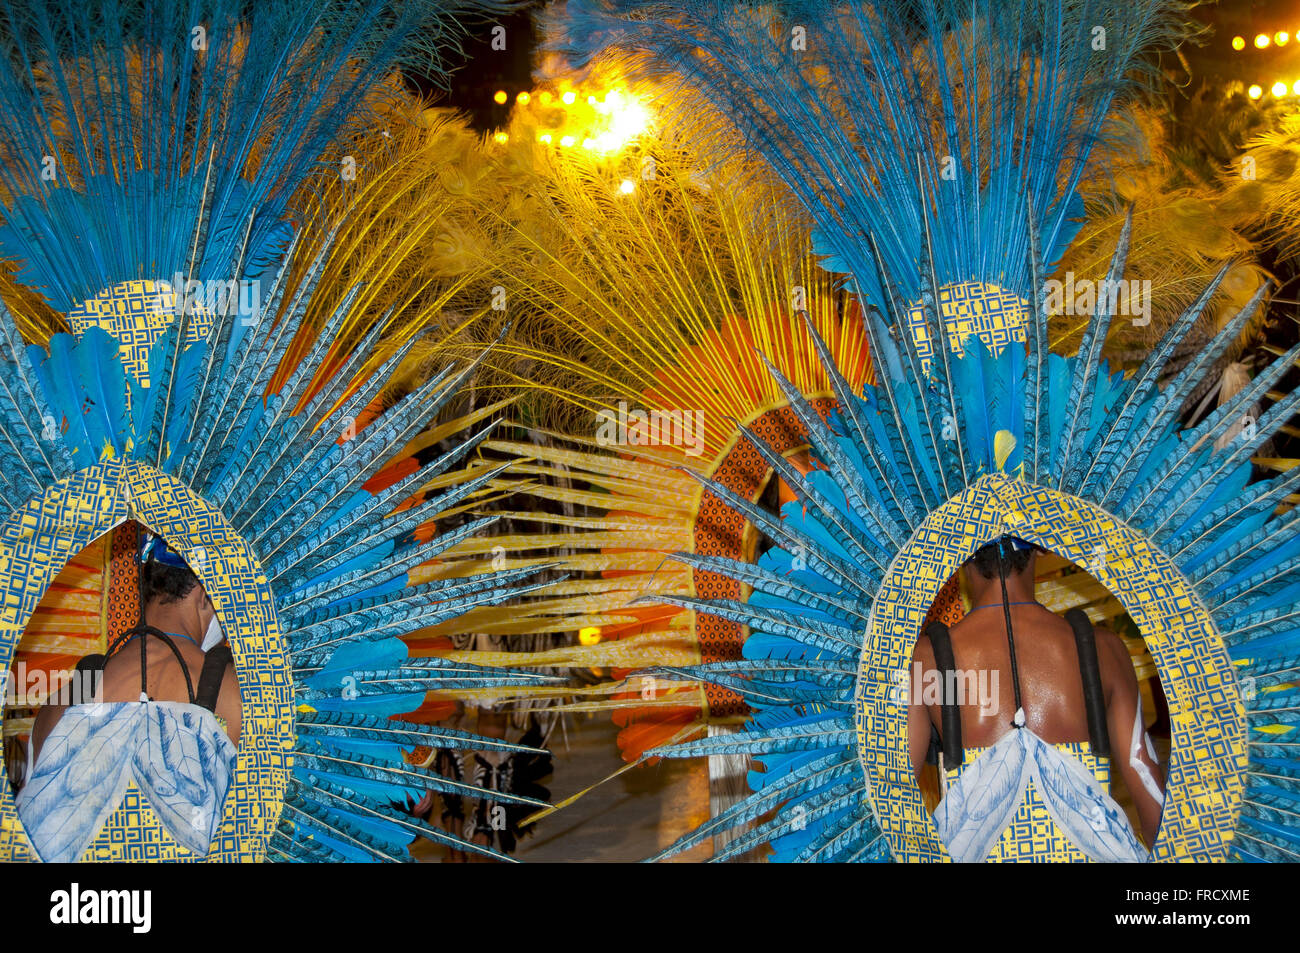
x=1270 y=43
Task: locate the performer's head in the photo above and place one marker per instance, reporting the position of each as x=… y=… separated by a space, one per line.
x=164 y=584
x=172 y=593
x=1014 y=560
x=1017 y=558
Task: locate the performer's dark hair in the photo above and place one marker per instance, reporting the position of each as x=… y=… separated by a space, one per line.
x=166 y=583
x=985 y=560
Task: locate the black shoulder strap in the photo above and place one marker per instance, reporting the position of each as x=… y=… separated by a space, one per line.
x=92 y=666
x=1094 y=697
x=954 y=754
x=143 y=631
x=91 y=663
x=215 y=664
x=932 y=752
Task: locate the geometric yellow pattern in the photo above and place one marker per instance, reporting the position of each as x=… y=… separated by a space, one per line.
x=1033 y=836
x=136 y=313
x=1208 y=758
x=971 y=307
x=37 y=541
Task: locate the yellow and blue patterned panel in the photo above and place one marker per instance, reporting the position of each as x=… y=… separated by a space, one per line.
x=136 y=312
x=34 y=545
x=1033 y=837
x=1208 y=757
x=971 y=307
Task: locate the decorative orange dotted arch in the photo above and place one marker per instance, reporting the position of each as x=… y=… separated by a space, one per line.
x=719 y=531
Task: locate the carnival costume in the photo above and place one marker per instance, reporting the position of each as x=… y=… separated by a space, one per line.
x=936 y=148
x=177 y=143
x=646 y=347
x=1022 y=782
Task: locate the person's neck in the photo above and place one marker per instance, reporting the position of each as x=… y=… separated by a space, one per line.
x=176 y=618
x=1018 y=590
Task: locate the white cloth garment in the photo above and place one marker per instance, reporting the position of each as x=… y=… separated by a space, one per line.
x=177 y=753
x=981 y=802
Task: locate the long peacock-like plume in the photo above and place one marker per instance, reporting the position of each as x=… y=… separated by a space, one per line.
x=863 y=127
x=179 y=137
x=145 y=140
x=1127 y=452
x=888 y=120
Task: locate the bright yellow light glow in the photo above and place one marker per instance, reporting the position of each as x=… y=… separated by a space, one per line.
x=500 y=97
x=1255 y=92
x=1279 y=88
x=1295 y=87
x=1261 y=41
x=523 y=98
x=1281 y=37
x=604 y=124
x=545 y=97
x=589 y=635
x=502 y=137
x=544 y=137
x=1238 y=42
x=628 y=122
x=627 y=186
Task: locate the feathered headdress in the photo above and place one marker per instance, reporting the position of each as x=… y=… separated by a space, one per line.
x=142 y=141
x=917 y=128
x=949 y=451
x=649 y=288
x=259 y=483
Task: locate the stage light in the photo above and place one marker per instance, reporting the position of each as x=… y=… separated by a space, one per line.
x=500 y=97
x=628 y=121
x=545 y=97
x=544 y=137
x=1238 y=42
x=1281 y=37
x=1261 y=41
x=627 y=187
x=1295 y=88
x=1279 y=88
x=502 y=138
x=589 y=635
x=604 y=124
x=1255 y=91
x=523 y=98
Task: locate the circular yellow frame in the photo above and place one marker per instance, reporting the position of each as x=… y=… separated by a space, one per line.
x=1208 y=758
x=38 y=540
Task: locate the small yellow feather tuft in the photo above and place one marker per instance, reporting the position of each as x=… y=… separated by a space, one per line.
x=1004 y=442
